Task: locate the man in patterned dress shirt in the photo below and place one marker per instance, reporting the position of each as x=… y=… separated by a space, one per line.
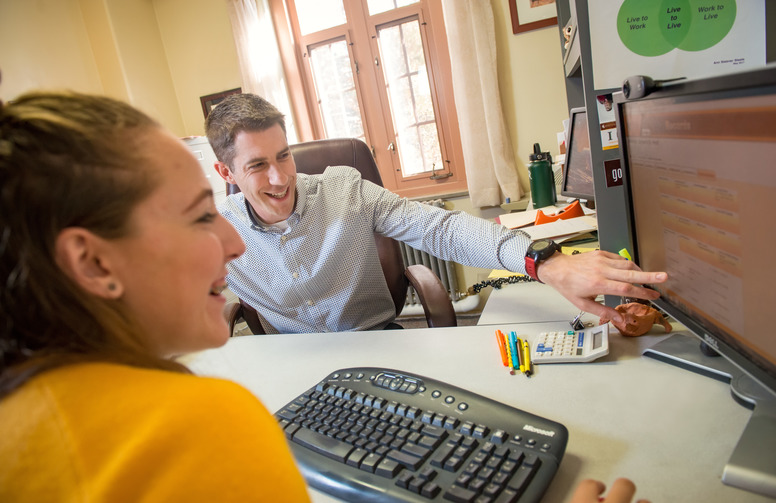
x=311 y=263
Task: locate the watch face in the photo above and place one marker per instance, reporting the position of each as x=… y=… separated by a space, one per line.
x=540 y=245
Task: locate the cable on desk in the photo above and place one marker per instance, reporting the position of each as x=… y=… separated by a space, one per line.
x=497 y=283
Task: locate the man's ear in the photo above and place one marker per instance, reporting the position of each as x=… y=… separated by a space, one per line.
x=225 y=172
x=83 y=256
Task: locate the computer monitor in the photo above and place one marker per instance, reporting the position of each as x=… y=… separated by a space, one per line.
x=578 y=166
x=699 y=165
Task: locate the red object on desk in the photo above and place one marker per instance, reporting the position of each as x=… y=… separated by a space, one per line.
x=502 y=347
x=573 y=210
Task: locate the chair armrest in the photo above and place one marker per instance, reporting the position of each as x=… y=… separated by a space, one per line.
x=435 y=300
x=231 y=315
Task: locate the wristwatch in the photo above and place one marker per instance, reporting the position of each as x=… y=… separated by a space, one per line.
x=539 y=250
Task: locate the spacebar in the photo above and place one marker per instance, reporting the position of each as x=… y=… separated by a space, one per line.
x=329 y=447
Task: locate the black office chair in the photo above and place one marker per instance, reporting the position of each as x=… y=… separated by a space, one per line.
x=313 y=158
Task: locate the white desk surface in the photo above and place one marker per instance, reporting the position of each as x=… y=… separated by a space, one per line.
x=528 y=303
x=669 y=430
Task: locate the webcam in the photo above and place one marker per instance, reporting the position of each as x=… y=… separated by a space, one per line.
x=638 y=86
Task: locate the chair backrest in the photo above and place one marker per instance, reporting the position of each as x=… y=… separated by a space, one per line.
x=313 y=158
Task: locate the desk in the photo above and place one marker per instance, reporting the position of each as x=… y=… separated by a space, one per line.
x=529 y=303
x=669 y=430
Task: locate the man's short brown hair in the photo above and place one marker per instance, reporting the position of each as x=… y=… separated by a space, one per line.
x=237 y=113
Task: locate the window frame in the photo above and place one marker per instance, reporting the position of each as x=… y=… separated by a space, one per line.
x=370 y=87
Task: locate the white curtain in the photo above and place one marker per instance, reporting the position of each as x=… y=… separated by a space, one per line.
x=490 y=165
x=259 y=56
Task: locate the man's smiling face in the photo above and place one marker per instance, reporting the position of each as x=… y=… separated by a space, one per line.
x=264 y=170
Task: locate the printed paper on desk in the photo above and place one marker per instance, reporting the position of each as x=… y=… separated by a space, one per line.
x=562 y=229
x=522 y=218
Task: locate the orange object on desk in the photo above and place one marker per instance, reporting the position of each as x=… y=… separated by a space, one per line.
x=573 y=210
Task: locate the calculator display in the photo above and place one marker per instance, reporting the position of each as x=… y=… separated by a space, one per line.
x=597 y=339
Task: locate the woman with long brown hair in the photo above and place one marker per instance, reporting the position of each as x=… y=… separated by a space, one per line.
x=112 y=262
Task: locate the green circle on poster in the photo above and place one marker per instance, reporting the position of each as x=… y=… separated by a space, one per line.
x=712 y=22
x=638 y=25
x=675 y=21
x=653 y=28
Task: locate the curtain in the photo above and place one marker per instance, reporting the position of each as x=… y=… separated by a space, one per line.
x=257 y=50
x=491 y=173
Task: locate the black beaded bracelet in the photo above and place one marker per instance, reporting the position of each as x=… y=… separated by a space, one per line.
x=497 y=283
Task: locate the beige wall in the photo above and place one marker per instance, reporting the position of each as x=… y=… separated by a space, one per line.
x=197 y=38
x=533 y=89
x=160 y=55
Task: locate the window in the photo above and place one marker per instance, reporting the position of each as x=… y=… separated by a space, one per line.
x=378 y=70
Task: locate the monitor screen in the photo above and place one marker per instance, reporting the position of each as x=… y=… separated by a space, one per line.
x=578 y=167
x=699 y=162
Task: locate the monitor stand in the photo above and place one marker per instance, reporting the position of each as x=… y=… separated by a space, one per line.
x=752 y=466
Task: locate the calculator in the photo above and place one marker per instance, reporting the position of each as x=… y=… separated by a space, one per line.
x=571 y=346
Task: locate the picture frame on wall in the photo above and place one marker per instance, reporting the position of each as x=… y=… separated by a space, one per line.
x=211 y=100
x=529 y=15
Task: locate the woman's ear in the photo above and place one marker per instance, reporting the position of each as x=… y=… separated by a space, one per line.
x=84 y=257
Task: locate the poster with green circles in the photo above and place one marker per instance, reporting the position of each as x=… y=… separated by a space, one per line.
x=665 y=39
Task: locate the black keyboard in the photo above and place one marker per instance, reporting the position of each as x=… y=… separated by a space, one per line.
x=372 y=434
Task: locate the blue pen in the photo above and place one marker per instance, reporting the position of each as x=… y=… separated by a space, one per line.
x=513 y=349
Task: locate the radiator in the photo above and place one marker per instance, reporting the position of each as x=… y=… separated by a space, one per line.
x=444 y=270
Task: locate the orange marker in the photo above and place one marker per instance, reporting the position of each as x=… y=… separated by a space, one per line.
x=502 y=348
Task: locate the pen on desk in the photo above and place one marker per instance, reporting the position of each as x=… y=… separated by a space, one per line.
x=509 y=354
x=502 y=347
x=515 y=347
x=520 y=353
x=527 y=358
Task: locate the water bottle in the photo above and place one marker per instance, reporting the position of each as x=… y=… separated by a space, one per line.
x=540 y=176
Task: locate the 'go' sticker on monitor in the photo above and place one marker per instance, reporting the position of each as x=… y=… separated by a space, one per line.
x=653 y=28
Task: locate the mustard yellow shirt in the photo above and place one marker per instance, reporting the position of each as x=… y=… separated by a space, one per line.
x=111 y=433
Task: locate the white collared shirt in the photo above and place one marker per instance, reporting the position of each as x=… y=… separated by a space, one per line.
x=322 y=273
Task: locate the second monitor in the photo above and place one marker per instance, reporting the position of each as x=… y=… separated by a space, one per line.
x=578 y=167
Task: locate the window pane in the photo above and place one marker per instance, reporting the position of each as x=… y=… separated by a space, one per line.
x=317 y=15
x=336 y=91
x=378 y=6
x=404 y=67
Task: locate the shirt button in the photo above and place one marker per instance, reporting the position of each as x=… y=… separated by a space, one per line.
x=295 y=275
x=309 y=303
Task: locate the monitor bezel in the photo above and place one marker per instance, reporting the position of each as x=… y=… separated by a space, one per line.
x=573 y=113
x=750 y=83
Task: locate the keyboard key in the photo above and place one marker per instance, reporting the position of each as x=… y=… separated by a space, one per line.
x=430 y=490
x=370 y=462
x=441 y=455
x=408 y=460
x=507 y=496
x=427 y=473
x=404 y=478
x=416 y=485
x=499 y=437
x=429 y=442
x=355 y=457
x=453 y=464
x=388 y=468
x=433 y=431
x=416 y=450
x=460 y=495
x=521 y=479
x=327 y=446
